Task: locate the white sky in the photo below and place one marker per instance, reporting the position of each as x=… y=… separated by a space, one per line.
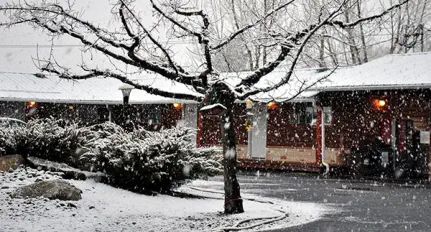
x=20 y=44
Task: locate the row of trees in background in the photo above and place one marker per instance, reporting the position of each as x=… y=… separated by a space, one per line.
x=407 y=29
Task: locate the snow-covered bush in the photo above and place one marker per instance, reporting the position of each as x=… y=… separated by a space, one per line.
x=145 y=161
x=8 y=139
x=141 y=160
x=52 y=140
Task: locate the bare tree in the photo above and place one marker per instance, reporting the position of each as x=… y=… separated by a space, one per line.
x=362 y=33
x=407 y=26
x=136 y=45
x=240 y=13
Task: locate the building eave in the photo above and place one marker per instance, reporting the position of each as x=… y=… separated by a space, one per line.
x=94 y=102
x=373 y=87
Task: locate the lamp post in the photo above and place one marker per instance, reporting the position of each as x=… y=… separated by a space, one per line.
x=126 y=89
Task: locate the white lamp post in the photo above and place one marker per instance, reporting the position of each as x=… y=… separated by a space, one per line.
x=126 y=89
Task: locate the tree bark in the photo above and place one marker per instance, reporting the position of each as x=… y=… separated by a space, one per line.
x=364 y=44
x=354 y=51
x=257 y=57
x=233 y=200
x=332 y=54
x=322 y=63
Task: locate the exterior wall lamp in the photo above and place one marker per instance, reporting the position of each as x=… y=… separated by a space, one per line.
x=177 y=106
x=126 y=89
x=380 y=104
x=272 y=105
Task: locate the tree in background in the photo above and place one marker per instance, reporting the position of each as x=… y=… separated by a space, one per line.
x=276 y=32
x=406 y=29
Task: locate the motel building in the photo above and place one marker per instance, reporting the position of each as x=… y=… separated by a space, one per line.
x=372 y=119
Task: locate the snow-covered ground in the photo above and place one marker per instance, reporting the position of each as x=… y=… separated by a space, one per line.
x=104 y=208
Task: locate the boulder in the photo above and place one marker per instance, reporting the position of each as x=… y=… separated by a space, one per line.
x=52 y=189
x=8 y=162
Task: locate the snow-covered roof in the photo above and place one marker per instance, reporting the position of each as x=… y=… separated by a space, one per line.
x=49 y=88
x=28 y=87
x=397 y=71
x=299 y=81
x=389 y=72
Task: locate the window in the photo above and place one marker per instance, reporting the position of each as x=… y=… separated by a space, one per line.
x=103 y=114
x=154 y=115
x=327 y=113
x=303 y=115
x=310 y=115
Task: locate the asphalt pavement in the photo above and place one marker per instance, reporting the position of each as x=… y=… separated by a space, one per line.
x=360 y=205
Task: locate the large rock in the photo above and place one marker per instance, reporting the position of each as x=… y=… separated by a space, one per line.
x=54 y=189
x=10 y=161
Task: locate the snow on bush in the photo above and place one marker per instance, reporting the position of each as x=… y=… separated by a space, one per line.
x=141 y=160
x=8 y=137
x=52 y=140
x=145 y=161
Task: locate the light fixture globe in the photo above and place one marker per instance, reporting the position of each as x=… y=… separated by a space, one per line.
x=126 y=89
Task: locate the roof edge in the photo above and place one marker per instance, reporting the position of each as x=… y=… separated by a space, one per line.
x=371 y=87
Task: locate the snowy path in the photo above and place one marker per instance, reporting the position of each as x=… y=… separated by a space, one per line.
x=104 y=208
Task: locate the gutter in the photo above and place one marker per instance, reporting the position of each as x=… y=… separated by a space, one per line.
x=371 y=87
x=323 y=142
x=94 y=102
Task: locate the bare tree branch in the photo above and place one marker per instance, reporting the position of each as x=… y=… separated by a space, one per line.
x=173 y=21
x=59 y=28
x=256 y=76
x=202 y=36
x=236 y=23
x=195 y=13
x=123 y=20
x=370 y=18
x=245 y=28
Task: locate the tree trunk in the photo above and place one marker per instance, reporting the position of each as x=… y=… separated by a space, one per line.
x=332 y=54
x=233 y=200
x=257 y=57
x=354 y=51
x=322 y=63
x=364 y=44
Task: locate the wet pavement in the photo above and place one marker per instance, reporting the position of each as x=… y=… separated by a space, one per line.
x=361 y=205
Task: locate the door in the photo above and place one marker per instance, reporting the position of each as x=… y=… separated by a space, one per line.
x=258 y=137
x=412 y=159
x=190 y=117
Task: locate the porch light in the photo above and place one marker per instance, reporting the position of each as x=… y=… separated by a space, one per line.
x=379 y=103
x=249 y=103
x=177 y=106
x=31 y=104
x=272 y=105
